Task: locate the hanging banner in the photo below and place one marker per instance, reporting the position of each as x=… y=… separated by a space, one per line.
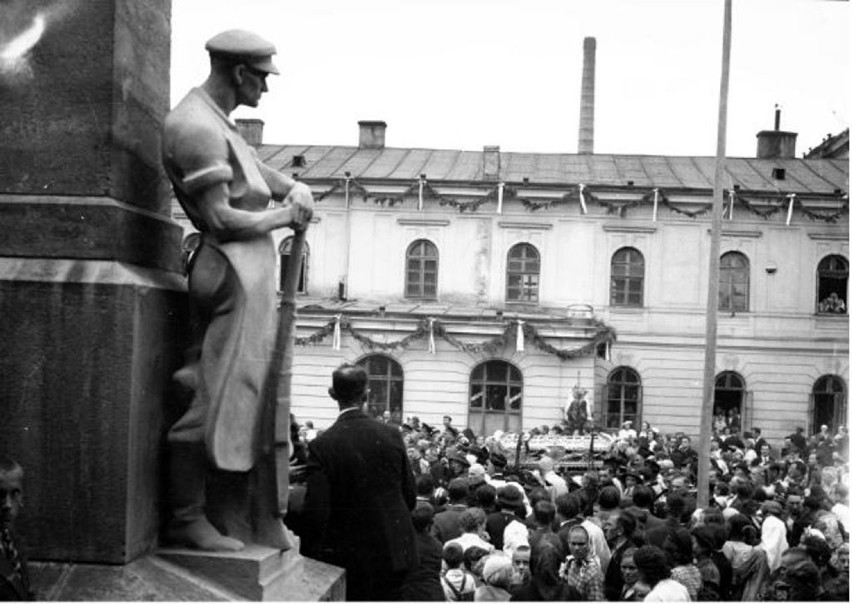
x=335 y=341
x=731 y=206
x=431 y=336
x=792 y=198
x=420 y=193
x=519 y=340
x=581 y=188
x=500 y=198
x=656 y=202
x=346 y=188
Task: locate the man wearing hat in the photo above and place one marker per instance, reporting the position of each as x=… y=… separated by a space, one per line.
x=225 y=191
x=360 y=493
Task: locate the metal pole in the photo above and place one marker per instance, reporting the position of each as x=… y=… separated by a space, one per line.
x=705 y=431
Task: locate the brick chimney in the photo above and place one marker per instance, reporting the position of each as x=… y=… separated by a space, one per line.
x=371 y=134
x=251 y=130
x=776 y=144
x=586 y=142
x=491 y=162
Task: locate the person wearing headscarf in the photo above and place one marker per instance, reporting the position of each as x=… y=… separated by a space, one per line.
x=773 y=534
x=496 y=578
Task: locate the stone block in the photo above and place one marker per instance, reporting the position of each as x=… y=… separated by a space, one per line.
x=86 y=350
x=92 y=90
x=263 y=574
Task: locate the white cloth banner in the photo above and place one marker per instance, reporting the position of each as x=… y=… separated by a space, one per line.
x=582 y=187
x=335 y=341
x=656 y=201
x=519 y=340
x=792 y=197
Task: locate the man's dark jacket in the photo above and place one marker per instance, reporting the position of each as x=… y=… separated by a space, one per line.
x=359 y=499
x=14 y=588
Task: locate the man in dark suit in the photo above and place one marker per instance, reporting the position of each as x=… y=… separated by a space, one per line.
x=14 y=581
x=360 y=493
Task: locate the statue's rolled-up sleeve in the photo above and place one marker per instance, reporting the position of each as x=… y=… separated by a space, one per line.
x=206 y=177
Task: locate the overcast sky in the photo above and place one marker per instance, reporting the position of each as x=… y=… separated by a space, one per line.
x=461 y=74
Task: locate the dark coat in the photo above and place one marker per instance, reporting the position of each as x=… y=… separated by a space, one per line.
x=447 y=524
x=613 y=581
x=14 y=589
x=423 y=583
x=360 y=493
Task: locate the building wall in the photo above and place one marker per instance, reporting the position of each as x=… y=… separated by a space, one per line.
x=780 y=346
x=438 y=385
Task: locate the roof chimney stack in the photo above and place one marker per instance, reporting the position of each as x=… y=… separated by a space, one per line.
x=491 y=162
x=371 y=134
x=776 y=144
x=586 y=141
x=251 y=130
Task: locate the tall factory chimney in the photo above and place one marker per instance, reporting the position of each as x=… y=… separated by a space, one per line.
x=586 y=142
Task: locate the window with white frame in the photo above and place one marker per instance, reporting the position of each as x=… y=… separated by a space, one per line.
x=421 y=270
x=523 y=266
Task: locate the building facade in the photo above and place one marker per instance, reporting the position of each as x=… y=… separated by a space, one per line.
x=489 y=285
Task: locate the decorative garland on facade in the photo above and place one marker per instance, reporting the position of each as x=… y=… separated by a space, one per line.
x=340 y=185
x=431 y=327
x=581 y=193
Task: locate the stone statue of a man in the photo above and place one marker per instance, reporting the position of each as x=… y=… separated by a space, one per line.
x=225 y=191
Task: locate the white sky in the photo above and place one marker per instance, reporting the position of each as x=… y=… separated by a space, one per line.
x=461 y=74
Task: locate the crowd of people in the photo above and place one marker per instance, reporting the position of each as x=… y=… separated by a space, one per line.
x=494 y=525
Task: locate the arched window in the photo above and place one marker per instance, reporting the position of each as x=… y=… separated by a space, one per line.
x=284 y=251
x=729 y=397
x=627 y=277
x=384 y=381
x=733 y=282
x=623 y=398
x=496 y=396
x=522 y=272
x=828 y=403
x=832 y=284
x=421 y=270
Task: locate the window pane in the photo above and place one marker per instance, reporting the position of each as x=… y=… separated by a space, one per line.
x=515 y=398
x=495 y=397
x=476 y=395
x=395 y=395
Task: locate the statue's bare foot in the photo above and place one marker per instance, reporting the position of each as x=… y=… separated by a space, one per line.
x=272 y=532
x=200 y=534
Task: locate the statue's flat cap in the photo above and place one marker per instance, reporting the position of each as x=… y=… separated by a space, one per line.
x=246 y=46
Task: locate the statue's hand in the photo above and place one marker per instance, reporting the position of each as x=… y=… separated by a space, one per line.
x=301 y=202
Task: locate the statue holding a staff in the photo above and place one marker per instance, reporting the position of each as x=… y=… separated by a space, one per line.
x=232 y=368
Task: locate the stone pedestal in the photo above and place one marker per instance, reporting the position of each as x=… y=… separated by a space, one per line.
x=256 y=574
x=263 y=574
x=92 y=297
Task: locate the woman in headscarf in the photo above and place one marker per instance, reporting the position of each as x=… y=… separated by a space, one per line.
x=773 y=533
x=496 y=578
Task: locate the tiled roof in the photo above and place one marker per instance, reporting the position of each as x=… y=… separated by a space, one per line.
x=814 y=176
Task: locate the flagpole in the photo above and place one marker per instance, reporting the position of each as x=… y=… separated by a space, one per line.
x=705 y=428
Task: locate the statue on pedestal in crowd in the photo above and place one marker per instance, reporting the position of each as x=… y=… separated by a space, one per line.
x=578 y=412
